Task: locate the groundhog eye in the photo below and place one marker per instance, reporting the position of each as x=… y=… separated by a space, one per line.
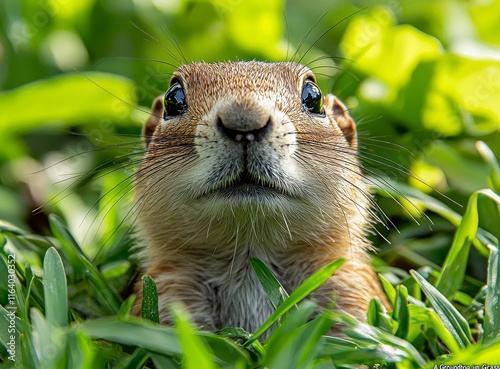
x=312 y=98
x=174 y=102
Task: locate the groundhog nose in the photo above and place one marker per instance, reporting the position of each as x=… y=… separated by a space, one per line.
x=244 y=122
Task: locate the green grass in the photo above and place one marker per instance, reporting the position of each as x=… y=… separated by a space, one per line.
x=70 y=314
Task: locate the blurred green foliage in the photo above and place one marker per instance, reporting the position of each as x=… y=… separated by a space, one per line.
x=421 y=78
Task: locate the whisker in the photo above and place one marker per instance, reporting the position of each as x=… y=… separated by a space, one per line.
x=327 y=31
x=329 y=57
x=349 y=165
x=105 y=59
x=109 y=167
x=379 y=160
x=119 y=98
x=134 y=208
x=307 y=35
x=152 y=38
x=174 y=42
x=385 y=220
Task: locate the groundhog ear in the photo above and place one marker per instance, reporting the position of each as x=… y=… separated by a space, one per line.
x=154 y=120
x=337 y=112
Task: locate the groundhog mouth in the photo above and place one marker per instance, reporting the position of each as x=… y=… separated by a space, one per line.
x=246 y=179
x=247 y=186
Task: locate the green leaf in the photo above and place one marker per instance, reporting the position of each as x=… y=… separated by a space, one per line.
x=401 y=313
x=67 y=98
x=389 y=289
x=273 y=288
x=150 y=299
x=443 y=332
x=156 y=338
x=126 y=307
x=115 y=269
x=477 y=354
x=49 y=342
x=453 y=270
x=238 y=22
x=419 y=321
x=420 y=200
x=468 y=86
x=134 y=332
x=347 y=353
x=4 y=273
x=55 y=289
x=79 y=261
x=452 y=319
x=164 y=362
x=374 y=355
x=489 y=157
x=226 y=351
x=376 y=344
x=196 y=353
x=23 y=347
x=335 y=345
x=6 y=328
x=136 y=360
x=82 y=351
x=6 y=227
x=377 y=316
x=67 y=240
x=492 y=301
x=375 y=48
x=239 y=334
x=294 y=343
x=234 y=333
x=309 y=285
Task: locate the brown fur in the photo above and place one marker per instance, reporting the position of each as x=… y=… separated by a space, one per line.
x=310 y=206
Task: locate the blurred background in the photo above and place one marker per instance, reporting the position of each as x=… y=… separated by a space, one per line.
x=422 y=79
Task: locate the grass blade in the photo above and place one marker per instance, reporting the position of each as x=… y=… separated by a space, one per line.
x=135 y=361
x=443 y=332
x=150 y=300
x=489 y=156
x=78 y=260
x=376 y=344
x=378 y=317
x=196 y=353
x=55 y=289
x=388 y=288
x=164 y=362
x=486 y=354
x=401 y=313
x=309 y=285
x=287 y=347
x=7 y=227
x=424 y=201
x=82 y=351
x=68 y=242
x=49 y=342
x=453 y=271
x=134 y=332
x=491 y=303
x=158 y=339
x=451 y=317
x=273 y=288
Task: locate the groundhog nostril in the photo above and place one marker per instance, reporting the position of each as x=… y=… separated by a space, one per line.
x=241 y=134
